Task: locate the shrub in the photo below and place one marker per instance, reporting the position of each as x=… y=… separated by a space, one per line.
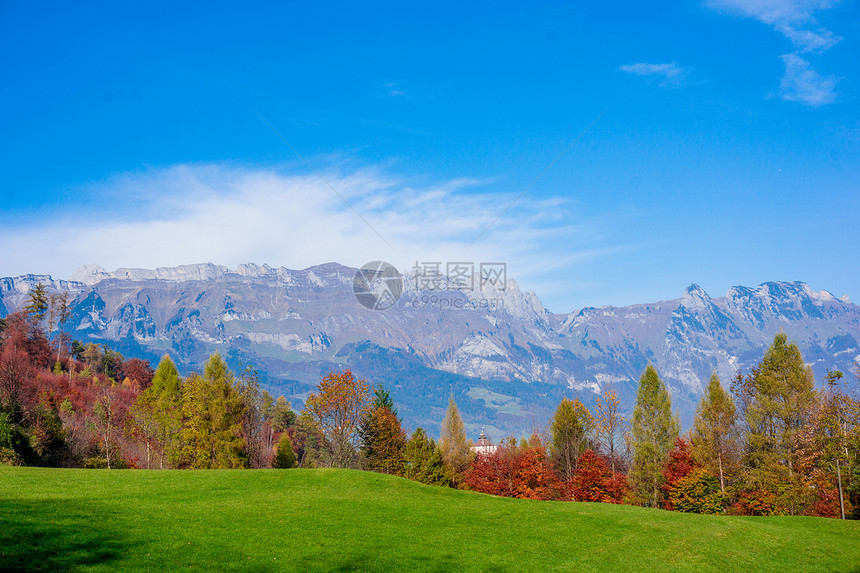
x=285 y=458
x=697 y=492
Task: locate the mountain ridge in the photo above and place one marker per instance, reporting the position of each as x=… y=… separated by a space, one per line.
x=497 y=348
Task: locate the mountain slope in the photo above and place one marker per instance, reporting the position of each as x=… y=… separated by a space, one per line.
x=507 y=360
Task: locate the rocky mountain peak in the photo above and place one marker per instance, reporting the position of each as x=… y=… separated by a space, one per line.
x=695 y=298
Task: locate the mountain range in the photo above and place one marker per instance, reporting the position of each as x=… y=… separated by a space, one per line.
x=506 y=359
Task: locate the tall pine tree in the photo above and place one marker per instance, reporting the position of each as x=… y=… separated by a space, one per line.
x=654 y=429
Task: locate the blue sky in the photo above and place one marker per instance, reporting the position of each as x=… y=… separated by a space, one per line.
x=658 y=144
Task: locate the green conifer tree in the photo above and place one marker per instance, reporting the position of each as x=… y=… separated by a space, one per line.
x=38 y=302
x=423 y=461
x=285 y=458
x=654 y=429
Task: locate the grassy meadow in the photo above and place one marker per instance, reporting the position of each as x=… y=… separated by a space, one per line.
x=342 y=520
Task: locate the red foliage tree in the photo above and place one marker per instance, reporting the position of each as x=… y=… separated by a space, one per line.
x=23 y=332
x=594 y=481
x=16 y=371
x=138 y=370
x=516 y=471
x=678 y=465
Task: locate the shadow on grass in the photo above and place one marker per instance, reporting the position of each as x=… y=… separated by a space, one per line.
x=440 y=564
x=61 y=535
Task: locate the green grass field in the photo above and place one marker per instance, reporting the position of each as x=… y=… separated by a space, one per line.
x=340 y=520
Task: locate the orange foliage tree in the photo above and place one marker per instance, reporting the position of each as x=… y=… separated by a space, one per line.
x=594 y=481
x=338 y=406
x=522 y=471
x=610 y=425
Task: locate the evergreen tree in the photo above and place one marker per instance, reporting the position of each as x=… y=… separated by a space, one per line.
x=423 y=461
x=382 y=399
x=111 y=363
x=714 y=430
x=654 y=429
x=453 y=442
x=571 y=427
x=38 y=302
x=285 y=458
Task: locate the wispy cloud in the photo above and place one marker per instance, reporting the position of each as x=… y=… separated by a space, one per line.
x=393 y=89
x=670 y=73
x=230 y=215
x=794 y=19
x=803 y=84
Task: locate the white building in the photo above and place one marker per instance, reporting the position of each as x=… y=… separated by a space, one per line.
x=484 y=447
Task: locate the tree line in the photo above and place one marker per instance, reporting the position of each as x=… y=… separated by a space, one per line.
x=770 y=444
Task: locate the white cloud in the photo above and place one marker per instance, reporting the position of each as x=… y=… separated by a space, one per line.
x=803 y=84
x=794 y=19
x=671 y=73
x=393 y=89
x=229 y=215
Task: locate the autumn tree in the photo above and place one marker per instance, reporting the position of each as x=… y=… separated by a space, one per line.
x=610 y=425
x=571 y=427
x=254 y=428
x=696 y=492
x=284 y=458
x=776 y=399
x=516 y=470
x=142 y=423
x=338 y=407
x=382 y=437
x=92 y=355
x=282 y=415
x=212 y=414
x=111 y=405
x=138 y=370
x=679 y=464
x=423 y=461
x=309 y=442
x=654 y=429
x=593 y=480
x=455 y=446
x=714 y=430
x=16 y=370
